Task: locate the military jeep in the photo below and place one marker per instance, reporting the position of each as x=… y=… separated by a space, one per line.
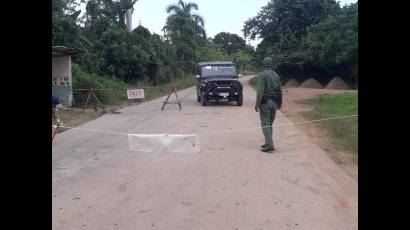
x=218 y=81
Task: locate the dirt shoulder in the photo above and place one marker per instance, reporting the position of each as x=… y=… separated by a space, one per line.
x=292 y=109
x=73 y=117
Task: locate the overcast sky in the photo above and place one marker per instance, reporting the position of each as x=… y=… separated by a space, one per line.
x=219 y=15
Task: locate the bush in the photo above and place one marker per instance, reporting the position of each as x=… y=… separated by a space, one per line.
x=84 y=80
x=117 y=89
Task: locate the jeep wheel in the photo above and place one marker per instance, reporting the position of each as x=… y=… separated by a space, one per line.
x=204 y=100
x=239 y=102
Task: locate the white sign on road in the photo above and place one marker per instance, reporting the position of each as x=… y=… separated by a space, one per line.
x=135 y=93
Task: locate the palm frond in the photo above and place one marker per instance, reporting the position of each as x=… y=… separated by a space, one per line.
x=192 y=5
x=198 y=19
x=172 y=8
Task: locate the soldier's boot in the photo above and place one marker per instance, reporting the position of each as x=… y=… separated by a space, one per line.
x=268 y=149
x=265 y=145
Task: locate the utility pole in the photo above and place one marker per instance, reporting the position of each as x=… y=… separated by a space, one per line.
x=128 y=19
x=128 y=16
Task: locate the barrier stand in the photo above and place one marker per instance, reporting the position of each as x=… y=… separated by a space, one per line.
x=91 y=93
x=173 y=90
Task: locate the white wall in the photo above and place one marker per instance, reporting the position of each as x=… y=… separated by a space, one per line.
x=62 y=79
x=61 y=70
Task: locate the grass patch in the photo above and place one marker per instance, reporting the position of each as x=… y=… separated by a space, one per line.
x=162 y=90
x=73 y=118
x=342 y=132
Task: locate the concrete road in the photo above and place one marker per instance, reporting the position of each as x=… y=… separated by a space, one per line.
x=230 y=184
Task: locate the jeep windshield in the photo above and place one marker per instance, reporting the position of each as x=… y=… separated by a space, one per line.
x=218 y=71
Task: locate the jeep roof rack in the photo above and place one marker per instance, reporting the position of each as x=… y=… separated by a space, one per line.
x=200 y=64
x=216 y=63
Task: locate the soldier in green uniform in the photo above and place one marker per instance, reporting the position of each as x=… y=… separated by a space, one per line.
x=268 y=100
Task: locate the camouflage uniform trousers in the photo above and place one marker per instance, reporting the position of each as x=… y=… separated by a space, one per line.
x=267 y=115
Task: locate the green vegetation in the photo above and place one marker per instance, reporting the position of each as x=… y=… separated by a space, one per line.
x=117 y=59
x=116 y=93
x=307 y=39
x=138 y=56
x=342 y=132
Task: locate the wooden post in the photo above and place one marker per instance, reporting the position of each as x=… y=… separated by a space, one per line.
x=173 y=90
x=91 y=93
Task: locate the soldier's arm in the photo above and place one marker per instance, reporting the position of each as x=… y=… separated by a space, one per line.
x=259 y=89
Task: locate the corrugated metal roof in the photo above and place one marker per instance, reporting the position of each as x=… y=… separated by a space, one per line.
x=65 y=51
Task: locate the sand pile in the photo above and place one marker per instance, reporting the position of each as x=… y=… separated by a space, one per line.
x=311 y=83
x=337 y=83
x=291 y=83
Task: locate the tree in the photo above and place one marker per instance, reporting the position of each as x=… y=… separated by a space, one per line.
x=65 y=30
x=242 y=59
x=184 y=9
x=288 y=16
x=118 y=10
x=332 y=44
x=307 y=38
x=185 y=30
x=114 y=53
x=104 y=14
x=231 y=43
x=212 y=52
x=283 y=23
